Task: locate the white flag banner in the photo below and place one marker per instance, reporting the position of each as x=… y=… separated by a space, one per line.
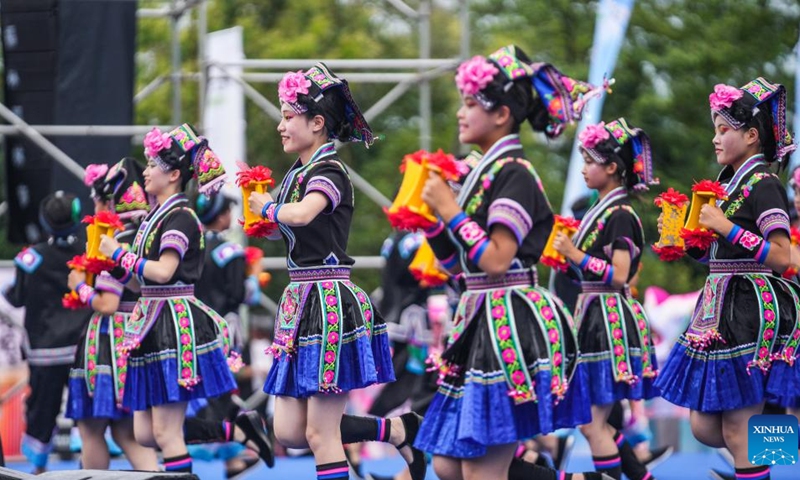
x=224 y=117
x=609 y=33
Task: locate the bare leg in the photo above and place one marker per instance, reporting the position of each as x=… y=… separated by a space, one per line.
x=143 y=428
x=289 y=422
x=599 y=433
x=707 y=428
x=734 y=430
x=141 y=458
x=168 y=428
x=493 y=465
x=94 y=452
x=447 y=468
x=323 y=427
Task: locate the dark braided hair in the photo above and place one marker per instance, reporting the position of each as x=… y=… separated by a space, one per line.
x=761 y=120
x=332 y=108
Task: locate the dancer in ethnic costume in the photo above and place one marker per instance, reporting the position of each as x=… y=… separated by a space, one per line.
x=329 y=339
x=613 y=331
x=513 y=350
x=740 y=347
x=53 y=331
x=178 y=346
x=97 y=380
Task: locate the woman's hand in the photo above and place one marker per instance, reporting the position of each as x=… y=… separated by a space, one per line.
x=256 y=202
x=563 y=245
x=712 y=217
x=75 y=278
x=660 y=223
x=108 y=245
x=440 y=197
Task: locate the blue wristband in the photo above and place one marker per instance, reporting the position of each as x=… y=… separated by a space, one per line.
x=264 y=209
x=731 y=236
x=584 y=262
x=140 y=267
x=277 y=211
x=453 y=223
x=118 y=253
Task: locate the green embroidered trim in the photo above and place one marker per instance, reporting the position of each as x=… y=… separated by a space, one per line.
x=644 y=338
x=736 y=204
x=550 y=321
x=591 y=238
x=331 y=301
x=506 y=344
x=476 y=200
x=770 y=320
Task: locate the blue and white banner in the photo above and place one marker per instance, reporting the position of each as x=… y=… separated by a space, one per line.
x=609 y=33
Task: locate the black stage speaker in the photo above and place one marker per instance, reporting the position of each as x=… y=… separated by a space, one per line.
x=67 y=62
x=8 y=474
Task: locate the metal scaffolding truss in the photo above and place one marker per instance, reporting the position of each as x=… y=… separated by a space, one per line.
x=405 y=73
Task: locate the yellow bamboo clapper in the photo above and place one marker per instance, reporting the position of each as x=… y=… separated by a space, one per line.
x=551 y=257
x=425 y=268
x=410 y=195
x=93 y=233
x=698 y=200
x=257 y=186
x=694 y=234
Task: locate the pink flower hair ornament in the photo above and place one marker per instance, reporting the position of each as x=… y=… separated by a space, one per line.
x=93 y=173
x=292 y=84
x=592 y=135
x=155 y=141
x=724 y=96
x=474 y=75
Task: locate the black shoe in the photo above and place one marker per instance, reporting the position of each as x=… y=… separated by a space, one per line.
x=717 y=475
x=565 y=446
x=255 y=430
x=419 y=465
x=658 y=456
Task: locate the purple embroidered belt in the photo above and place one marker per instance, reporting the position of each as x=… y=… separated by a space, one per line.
x=126 y=307
x=737 y=266
x=318 y=274
x=167 y=291
x=512 y=278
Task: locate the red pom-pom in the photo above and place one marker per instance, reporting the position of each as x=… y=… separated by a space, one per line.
x=97 y=266
x=107 y=217
x=672 y=197
x=795 y=235
x=72 y=301
x=669 y=253
x=253 y=255
x=415 y=157
x=710 y=186
x=445 y=163
x=698 y=238
x=790 y=273
x=257 y=173
x=405 y=219
x=260 y=229
x=553 y=263
x=78 y=262
x=568 y=222
x=428 y=280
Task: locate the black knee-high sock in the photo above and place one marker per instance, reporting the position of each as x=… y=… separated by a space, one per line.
x=631 y=466
x=365 y=429
x=522 y=470
x=610 y=465
x=333 y=471
x=181 y=463
x=753 y=473
x=196 y=430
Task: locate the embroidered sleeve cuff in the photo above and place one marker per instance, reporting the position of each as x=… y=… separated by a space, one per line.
x=327 y=188
x=107 y=283
x=174 y=240
x=510 y=214
x=773 y=219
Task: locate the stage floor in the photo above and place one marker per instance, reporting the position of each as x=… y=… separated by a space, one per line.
x=680 y=466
